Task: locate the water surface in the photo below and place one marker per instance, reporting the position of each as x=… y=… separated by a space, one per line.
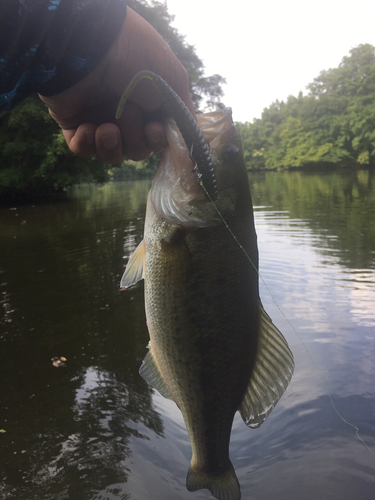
x=95 y=430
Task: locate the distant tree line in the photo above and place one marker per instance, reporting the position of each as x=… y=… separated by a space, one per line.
x=34 y=159
x=333 y=124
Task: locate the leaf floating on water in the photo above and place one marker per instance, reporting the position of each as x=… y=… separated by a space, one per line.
x=58 y=362
x=2 y=431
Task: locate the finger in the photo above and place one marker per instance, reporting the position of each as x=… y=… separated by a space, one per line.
x=108 y=143
x=155 y=136
x=81 y=140
x=149 y=51
x=133 y=136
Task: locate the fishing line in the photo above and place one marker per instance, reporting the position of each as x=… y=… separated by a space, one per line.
x=161 y=86
x=288 y=321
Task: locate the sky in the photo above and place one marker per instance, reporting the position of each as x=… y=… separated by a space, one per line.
x=270 y=49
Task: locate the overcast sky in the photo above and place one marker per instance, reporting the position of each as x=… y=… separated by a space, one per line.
x=270 y=49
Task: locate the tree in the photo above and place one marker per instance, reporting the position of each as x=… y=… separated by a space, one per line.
x=354 y=76
x=34 y=158
x=334 y=123
x=157 y=15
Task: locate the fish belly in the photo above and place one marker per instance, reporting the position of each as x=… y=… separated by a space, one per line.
x=202 y=308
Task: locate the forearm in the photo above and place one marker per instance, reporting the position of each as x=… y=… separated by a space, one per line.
x=49 y=45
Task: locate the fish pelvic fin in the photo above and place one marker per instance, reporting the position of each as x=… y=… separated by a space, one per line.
x=272 y=372
x=150 y=371
x=223 y=486
x=134 y=271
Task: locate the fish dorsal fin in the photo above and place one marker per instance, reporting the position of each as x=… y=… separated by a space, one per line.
x=149 y=370
x=135 y=267
x=273 y=369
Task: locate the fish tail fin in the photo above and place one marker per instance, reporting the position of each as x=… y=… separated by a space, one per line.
x=223 y=486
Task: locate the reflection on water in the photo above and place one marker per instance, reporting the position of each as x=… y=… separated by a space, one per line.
x=96 y=430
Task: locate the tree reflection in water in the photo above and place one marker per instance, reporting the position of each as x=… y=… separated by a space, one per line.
x=94 y=431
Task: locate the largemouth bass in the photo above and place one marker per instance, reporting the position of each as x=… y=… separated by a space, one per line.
x=213 y=349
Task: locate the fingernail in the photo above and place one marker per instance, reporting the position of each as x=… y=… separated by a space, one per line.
x=90 y=137
x=109 y=141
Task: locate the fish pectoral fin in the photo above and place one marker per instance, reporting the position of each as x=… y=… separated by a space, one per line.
x=135 y=267
x=176 y=256
x=273 y=369
x=150 y=371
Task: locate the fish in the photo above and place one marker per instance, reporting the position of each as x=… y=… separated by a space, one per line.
x=213 y=349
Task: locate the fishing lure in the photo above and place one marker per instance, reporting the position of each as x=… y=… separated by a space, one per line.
x=190 y=131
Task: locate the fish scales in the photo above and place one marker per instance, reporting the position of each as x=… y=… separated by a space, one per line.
x=196 y=326
x=211 y=342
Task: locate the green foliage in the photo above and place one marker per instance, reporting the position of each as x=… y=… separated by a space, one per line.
x=201 y=87
x=34 y=159
x=333 y=124
x=135 y=169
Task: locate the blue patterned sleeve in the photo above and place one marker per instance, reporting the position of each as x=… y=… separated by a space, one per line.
x=47 y=46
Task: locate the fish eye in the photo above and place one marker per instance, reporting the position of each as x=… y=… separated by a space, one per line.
x=231 y=153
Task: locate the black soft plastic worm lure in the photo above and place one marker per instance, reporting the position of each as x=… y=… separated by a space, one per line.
x=199 y=151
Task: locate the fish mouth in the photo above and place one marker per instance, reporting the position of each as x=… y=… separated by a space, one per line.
x=198 y=149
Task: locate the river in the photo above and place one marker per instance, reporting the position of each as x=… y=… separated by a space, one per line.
x=94 y=430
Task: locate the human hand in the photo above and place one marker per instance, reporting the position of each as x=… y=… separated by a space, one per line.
x=86 y=111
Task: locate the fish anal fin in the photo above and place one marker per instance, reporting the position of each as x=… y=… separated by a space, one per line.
x=223 y=486
x=150 y=371
x=272 y=372
x=135 y=267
